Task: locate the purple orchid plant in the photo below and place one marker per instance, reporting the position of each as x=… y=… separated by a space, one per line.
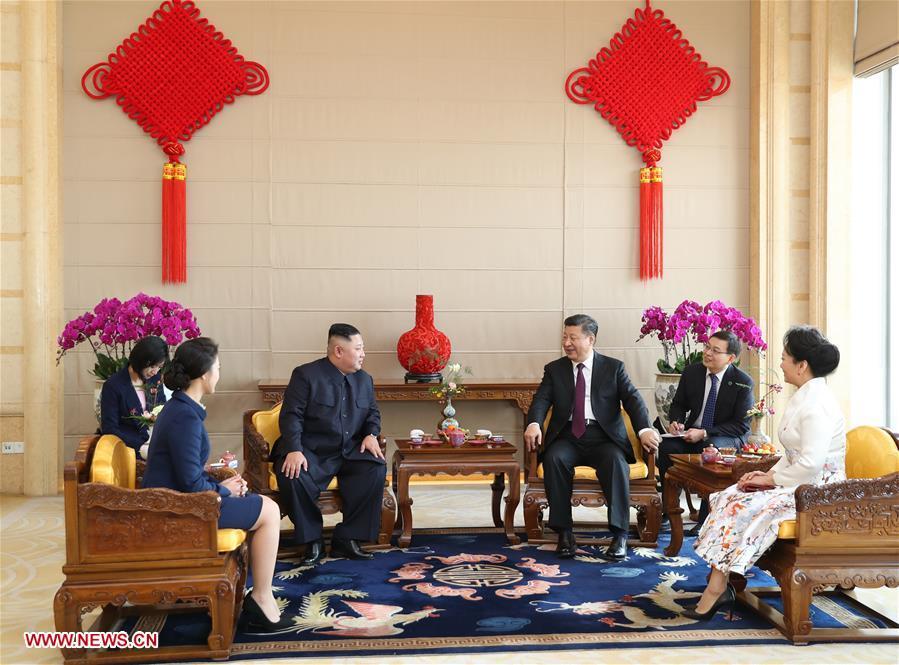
x=684 y=332
x=112 y=327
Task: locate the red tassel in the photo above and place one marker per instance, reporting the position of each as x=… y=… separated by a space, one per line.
x=645 y=206
x=168 y=177
x=174 y=223
x=655 y=221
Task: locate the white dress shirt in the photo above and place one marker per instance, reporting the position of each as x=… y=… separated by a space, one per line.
x=705 y=398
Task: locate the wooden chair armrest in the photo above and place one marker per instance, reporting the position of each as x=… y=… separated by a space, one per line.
x=531 y=463
x=140 y=468
x=812 y=497
x=204 y=505
x=650 y=459
x=255 y=454
x=851 y=513
x=122 y=525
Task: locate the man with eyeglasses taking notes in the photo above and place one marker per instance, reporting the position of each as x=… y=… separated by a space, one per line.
x=710 y=405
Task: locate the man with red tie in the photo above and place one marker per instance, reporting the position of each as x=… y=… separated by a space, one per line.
x=586 y=391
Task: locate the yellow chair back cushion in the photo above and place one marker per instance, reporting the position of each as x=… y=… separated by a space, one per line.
x=266 y=423
x=870 y=453
x=638 y=470
x=114 y=463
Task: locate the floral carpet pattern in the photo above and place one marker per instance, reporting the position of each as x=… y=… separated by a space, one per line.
x=452 y=593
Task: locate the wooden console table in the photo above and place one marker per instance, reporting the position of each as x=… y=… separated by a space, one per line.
x=520 y=391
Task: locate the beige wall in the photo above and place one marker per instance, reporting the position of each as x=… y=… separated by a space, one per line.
x=404 y=148
x=12 y=419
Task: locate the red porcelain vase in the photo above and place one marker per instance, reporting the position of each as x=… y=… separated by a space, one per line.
x=424 y=350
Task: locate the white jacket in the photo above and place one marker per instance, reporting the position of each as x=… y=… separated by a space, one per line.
x=813 y=434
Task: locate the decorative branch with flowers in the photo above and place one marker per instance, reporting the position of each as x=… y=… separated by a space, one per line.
x=113 y=326
x=763 y=407
x=684 y=332
x=451 y=386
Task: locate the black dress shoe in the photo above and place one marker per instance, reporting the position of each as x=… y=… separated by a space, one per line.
x=253 y=619
x=693 y=531
x=348 y=549
x=567 y=547
x=617 y=549
x=727 y=598
x=315 y=552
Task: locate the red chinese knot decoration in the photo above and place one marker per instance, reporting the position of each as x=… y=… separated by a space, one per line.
x=646 y=83
x=171 y=77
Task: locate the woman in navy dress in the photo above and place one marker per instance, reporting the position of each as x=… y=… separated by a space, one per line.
x=178 y=452
x=132 y=391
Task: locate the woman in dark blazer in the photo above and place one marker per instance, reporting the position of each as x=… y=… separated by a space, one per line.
x=132 y=391
x=179 y=449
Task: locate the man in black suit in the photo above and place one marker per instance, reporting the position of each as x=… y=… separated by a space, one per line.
x=710 y=405
x=586 y=391
x=330 y=424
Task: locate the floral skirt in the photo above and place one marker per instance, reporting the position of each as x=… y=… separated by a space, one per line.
x=742 y=525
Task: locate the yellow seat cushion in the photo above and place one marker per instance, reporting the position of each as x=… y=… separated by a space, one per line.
x=114 y=463
x=787 y=529
x=870 y=453
x=266 y=423
x=273 y=481
x=638 y=470
x=230 y=539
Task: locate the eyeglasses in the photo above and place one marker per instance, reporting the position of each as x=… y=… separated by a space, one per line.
x=710 y=349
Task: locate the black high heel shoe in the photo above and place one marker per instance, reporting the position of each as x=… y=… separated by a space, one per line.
x=729 y=597
x=254 y=619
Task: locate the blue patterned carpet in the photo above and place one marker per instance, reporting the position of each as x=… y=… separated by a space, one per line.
x=474 y=593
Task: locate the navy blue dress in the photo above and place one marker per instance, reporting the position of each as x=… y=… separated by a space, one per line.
x=178 y=452
x=119 y=401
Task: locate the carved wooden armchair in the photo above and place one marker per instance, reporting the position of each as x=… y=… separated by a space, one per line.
x=139 y=552
x=260 y=431
x=845 y=534
x=586 y=491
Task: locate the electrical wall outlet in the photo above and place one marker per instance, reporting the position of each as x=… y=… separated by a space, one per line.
x=12 y=447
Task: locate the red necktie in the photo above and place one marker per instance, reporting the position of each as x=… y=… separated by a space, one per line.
x=578 y=419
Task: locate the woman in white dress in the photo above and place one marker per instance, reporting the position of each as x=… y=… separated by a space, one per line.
x=744 y=519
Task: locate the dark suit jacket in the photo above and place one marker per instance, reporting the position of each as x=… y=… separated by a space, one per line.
x=180 y=448
x=321 y=417
x=118 y=402
x=734 y=400
x=610 y=389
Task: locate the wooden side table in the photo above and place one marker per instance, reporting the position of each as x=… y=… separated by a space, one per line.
x=688 y=472
x=497 y=458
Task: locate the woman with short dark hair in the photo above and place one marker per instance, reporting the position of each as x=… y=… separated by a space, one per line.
x=134 y=390
x=177 y=458
x=744 y=519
